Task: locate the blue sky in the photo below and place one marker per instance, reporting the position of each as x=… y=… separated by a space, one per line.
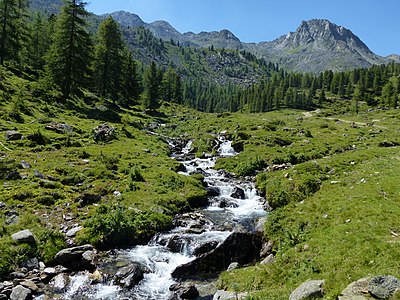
x=375 y=22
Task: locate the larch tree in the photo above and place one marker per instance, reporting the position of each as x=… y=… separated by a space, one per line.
x=13 y=19
x=69 y=58
x=151 y=85
x=130 y=89
x=108 y=62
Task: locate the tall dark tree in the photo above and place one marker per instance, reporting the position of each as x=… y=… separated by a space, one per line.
x=13 y=19
x=70 y=54
x=39 y=41
x=171 y=86
x=130 y=80
x=151 y=85
x=108 y=62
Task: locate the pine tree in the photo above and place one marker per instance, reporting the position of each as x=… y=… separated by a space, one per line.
x=151 y=85
x=70 y=54
x=108 y=61
x=13 y=19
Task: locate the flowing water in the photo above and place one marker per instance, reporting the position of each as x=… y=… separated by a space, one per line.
x=225 y=212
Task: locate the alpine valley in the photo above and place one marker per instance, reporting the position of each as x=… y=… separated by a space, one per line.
x=138 y=162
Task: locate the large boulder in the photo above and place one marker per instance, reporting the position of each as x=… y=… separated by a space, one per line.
x=184 y=291
x=104 y=133
x=130 y=275
x=76 y=258
x=20 y=293
x=357 y=290
x=60 y=283
x=311 y=289
x=24 y=236
x=59 y=127
x=238 y=193
x=240 y=247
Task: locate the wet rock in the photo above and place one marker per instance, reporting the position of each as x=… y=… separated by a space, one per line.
x=130 y=275
x=224 y=295
x=184 y=291
x=17 y=275
x=3 y=297
x=268 y=260
x=356 y=290
x=213 y=191
x=25 y=165
x=383 y=287
x=12 y=135
x=224 y=203
x=241 y=247
x=60 y=283
x=73 y=258
x=24 y=236
x=13 y=176
x=238 y=193
x=175 y=243
x=205 y=248
x=233 y=266
x=104 y=133
x=20 y=293
x=192 y=221
x=311 y=289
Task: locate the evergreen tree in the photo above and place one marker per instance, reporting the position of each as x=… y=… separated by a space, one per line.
x=13 y=20
x=108 y=61
x=151 y=85
x=322 y=97
x=69 y=57
x=359 y=94
x=39 y=41
x=130 y=80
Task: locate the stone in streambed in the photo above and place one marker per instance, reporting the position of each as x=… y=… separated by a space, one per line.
x=130 y=275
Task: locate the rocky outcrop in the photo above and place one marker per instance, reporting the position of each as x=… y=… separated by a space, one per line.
x=311 y=289
x=240 y=247
x=104 y=133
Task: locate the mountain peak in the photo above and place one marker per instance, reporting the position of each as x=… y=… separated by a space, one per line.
x=127 y=19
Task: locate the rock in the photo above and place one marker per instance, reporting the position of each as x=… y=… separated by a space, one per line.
x=73 y=231
x=205 y=248
x=25 y=165
x=383 y=287
x=213 y=191
x=129 y=276
x=13 y=176
x=238 y=193
x=308 y=290
x=29 y=284
x=24 y=236
x=73 y=258
x=356 y=291
x=12 y=135
x=233 y=266
x=12 y=217
x=266 y=249
x=88 y=199
x=175 y=243
x=184 y=291
x=20 y=293
x=50 y=271
x=224 y=295
x=268 y=260
x=103 y=133
x=241 y=247
x=31 y=264
x=3 y=297
x=192 y=220
x=260 y=225
x=39 y=174
x=2 y=205
x=59 y=127
x=17 y=275
x=60 y=283
x=226 y=203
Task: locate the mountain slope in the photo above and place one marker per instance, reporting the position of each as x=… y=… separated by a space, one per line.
x=318 y=45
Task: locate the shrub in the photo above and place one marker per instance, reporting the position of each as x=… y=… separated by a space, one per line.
x=250 y=167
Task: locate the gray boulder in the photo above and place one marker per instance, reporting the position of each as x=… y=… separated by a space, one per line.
x=24 y=236
x=129 y=276
x=73 y=258
x=383 y=287
x=357 y=290
x=268 y=260
x=233 y=266
x=60 y=283
x=20 y=293
x=224 y=295
x=238 y=193
x=25 y=165
x=308 y=290
x=13 y=176
x=12 y=135
x=184 y=291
